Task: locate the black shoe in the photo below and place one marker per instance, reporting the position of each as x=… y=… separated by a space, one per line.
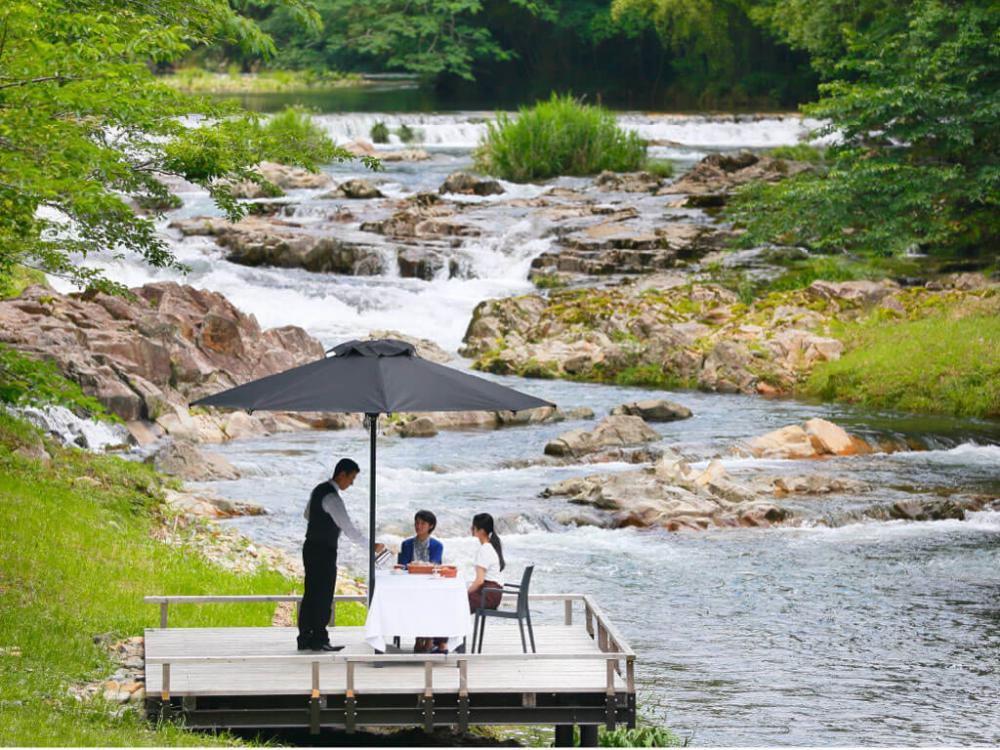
x=327 y=647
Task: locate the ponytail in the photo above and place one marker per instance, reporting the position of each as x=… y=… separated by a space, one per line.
x=484 y=522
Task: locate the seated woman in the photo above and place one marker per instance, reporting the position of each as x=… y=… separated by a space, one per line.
x=488 y=565
x=421 y=548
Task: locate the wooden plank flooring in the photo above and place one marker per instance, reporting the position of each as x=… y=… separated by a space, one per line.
x=287 y=671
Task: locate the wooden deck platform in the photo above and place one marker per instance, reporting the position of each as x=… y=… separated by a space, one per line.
x=582 y=673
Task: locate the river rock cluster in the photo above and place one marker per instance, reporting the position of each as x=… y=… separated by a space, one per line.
x=667 y=330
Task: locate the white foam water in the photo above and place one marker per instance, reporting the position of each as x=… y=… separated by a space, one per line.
x=465 y=130
x=70 y=429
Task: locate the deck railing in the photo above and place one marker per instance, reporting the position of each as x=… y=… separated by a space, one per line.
x=612 y=649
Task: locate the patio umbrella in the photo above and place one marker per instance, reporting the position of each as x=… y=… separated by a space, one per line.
x=382 y=376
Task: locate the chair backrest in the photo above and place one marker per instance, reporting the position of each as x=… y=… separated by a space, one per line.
x=522 y=594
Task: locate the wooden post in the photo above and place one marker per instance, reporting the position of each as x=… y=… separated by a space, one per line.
x=163 y=614
x=314 y=701
x=428 y=700
x=568 y=604
x=350 y=703
x=564 y=735
x=463 y=696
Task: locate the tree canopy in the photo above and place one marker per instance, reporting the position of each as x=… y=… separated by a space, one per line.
x=86 y=129
x=912 y=104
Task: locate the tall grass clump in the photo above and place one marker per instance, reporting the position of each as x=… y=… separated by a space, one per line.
x=293 y=132
x=558 y=137
x=379 y=132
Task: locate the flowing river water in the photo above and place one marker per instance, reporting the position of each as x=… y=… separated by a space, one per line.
x=841 y=629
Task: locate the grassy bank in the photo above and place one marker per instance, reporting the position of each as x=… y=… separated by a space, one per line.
x=20 y=279
x=201 y=81
x=943 y=358
x=76 y=557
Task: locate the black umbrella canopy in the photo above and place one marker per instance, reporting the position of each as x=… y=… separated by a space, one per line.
x=373 y=377
x=382 y=376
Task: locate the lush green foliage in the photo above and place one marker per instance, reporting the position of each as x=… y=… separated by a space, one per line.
x=524 y=49
x=379 y=132
x=917 y=167
x=195 y=80
x=558 y=137
x=19 y=279
x=798 y=152
x=84 y=127
x=409 y=135
x=29 y=382
x=77 y=555
x=946 y=361
x=641 y=736
x=660 y=167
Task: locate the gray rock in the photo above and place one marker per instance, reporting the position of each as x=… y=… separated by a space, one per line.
x=356 y=189
x=612 y=431
x=654 y=410
x=468 y=184
x=419 y=427
x=183 y=459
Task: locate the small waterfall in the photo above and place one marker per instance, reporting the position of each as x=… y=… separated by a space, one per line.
x=70 y=429
x=464 y=130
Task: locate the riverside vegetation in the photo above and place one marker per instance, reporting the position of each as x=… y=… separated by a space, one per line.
x=77 y=557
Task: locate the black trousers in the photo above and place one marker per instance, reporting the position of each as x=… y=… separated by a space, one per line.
x=320 y=562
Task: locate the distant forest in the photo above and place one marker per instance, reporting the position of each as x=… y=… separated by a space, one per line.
x=723 y=54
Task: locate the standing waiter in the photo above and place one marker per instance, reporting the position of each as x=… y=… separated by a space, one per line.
x=327 y=517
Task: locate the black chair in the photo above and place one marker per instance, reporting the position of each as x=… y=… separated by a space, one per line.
x=522 y=613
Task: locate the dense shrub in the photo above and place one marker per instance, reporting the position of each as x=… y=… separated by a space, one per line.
x=559 y=137
x=379 y=132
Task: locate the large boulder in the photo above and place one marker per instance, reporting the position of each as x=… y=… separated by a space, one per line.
x=611 y=432
x=628 y=182
x=654 y=410
x=671 y=495
x=146 y=358
x=260 y=243
x=183 y=459
x=711 y=180
x=816 y=438
x=469 y=184
x=355 y=189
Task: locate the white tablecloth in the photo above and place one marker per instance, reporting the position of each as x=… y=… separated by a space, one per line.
x=417 y=606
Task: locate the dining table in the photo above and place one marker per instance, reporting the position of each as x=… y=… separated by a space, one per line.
x=410 y=605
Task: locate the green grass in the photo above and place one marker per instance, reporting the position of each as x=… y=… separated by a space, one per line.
x=76 y=559
x=201 y=81
x=548 y=281
x=20 y=278
x=560 y=136
x=662 y=168
x=409 y=135
x=946 y=363
x=641 y=736
x=379 y=132
x=798 y=152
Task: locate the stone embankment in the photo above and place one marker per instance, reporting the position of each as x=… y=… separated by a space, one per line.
x=665 y=330
x=146 y=358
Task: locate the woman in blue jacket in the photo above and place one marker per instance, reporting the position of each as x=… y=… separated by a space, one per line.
x=422 y=547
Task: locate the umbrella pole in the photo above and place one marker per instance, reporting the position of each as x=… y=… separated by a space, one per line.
x=372 y=420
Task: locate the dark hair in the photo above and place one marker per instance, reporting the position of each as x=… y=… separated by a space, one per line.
x=346 y=466
x=484 y=522
x=426 y=515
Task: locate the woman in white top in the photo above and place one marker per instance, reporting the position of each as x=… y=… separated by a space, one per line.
x=489 y=564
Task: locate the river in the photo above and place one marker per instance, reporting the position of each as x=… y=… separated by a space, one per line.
x=838 y=630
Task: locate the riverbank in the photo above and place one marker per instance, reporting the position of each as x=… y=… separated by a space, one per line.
x=201 y=81
x=81 y=547
x=932 y=349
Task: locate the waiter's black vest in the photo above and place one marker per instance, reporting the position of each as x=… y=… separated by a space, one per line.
x=321 y=527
